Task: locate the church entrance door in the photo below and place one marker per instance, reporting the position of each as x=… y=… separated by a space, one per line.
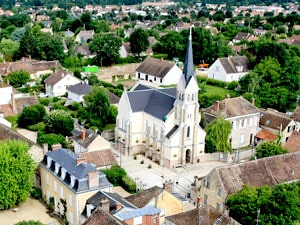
x=188 y=156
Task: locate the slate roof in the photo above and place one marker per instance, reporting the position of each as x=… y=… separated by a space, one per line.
x=188 y=69
x=101 y=217
x=141 y=199
x=232 y=107
x=231 y=63
x=67 y=159
x=140 y=87
x=241 y=36
x=155 y=67
x=204 y=215
x=266 y=171
x=274 y=119
x=55 y=77
x=90 y=136
x=80 y=88
x=85 y=35
x=293 y=143
x=113 y=99
x=153 y=101
x=130 y=213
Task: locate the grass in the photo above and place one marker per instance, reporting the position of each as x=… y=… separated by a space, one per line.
x=209 y=89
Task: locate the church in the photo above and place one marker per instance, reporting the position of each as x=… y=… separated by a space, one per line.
x=163 y=123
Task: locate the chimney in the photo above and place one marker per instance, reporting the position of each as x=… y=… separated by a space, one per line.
x=56 y=147
x=253 y=101
x=45 y=148
x=93 y=177
x=118 y=206
x=83 y=134
x=161 y=59
x=104 y=204
x=217 y=106
x=168 y=186
x=199 y=202
x=82 y=158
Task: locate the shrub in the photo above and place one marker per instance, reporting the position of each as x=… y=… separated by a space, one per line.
x=37 y=127
x=36 y=193
x=149 y=166
x=232 y=85
x=142 y=162
x=45 y=101
x=128 y=184
x=115 y=174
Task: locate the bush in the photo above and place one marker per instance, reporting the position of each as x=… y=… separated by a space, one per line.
x=128 y=184
x=36 y=193
x=37 y=127
x=45 y=101
x=115 y=175
x=149 y=166
x=31 y=115
x=210 y=81
x=51 y=139
x=232 y=85
x=142 y=162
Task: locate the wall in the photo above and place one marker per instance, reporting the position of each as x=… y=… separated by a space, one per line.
x=5 y=93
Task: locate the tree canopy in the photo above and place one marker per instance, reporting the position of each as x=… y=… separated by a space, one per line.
x=217 y=136
x=16 y=173
x=139 y=41
x=59 y=122
x=277 y=205
x=267 y=149
x=31 y=115
x=18 y=78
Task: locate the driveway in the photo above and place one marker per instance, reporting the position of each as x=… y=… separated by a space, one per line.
x=32 y=209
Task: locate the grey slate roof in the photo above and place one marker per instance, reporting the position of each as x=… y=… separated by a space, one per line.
x=67 y=160
x=80 y=88
x=188 y=69
x=133 y=213
x=153 y=101
x=230 y=64
x=155 y=67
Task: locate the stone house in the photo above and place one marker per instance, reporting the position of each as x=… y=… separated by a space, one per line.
x=214 y=188
x=243 y=116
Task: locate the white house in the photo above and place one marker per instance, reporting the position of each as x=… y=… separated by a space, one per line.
x=158 y=72
x=162 y=123
x=57 y=83
x=6 y=91
x=77 y=91
x=229 y=69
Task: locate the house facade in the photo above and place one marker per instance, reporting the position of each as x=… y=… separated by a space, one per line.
x=243 y=116
x=214 y=188
x=158 y=72
x=277 y=123
x=163 y=124
x=57 y=83
x=67 y=181
x=229 y=69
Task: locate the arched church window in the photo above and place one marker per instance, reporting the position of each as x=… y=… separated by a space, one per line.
x=188 y=132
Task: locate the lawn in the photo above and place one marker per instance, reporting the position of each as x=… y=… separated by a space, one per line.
x=213 y=90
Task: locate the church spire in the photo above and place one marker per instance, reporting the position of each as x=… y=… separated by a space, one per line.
x=188 y=69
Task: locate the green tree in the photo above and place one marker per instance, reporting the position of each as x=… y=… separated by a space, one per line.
x=107 y=47
x=217 y=135
x=267 y=149
x=115 y=174
x=51 y=139
x=31 y=115
x=16 y=173
x=139 y=41
x=59 y=122
x=8 y=48
x=97 y=106
x=30 y=222
x=18 y=78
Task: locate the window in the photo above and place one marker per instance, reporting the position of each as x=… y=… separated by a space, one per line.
x=217 y=68
x=188 y=132
x=241 y=138
x=188 y=97
x=47 y=179
x=192 y=97
x=242 y=125
x=219 y=191
x=70 y=199
x=139 y=75
x=61 y=191
x=154 y=219
x=233 y=124
x=205 y=199
x=55 y=186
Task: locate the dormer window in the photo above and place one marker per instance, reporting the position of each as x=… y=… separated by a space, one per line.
x=72 y=181
x=49 y=160
x=56 y=168
x=63 y=173
x=239 y=68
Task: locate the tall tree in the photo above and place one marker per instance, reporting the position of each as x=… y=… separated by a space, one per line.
x=217 y=135
x=139 y=41
x=16 y=173
x=18 y=78
x=97 y=106
x=107 y=47
x=59 y=122
x=8 y=48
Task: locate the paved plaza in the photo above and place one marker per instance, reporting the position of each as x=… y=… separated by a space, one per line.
x=146 y=177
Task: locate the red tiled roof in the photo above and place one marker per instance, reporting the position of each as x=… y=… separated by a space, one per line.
x=266 y=135
x=7 y=110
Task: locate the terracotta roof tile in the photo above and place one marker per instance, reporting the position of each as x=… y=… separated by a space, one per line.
x=102 y=158
x=155 y=67
x=274 y=119
x=101 y=217
x=296 y=114
x=266 y=171
x=141 y=199
x=201 y=216
x=55 y=77
x=293 y=143
x=232 y=107
x=266 y=135
x=7 y=110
